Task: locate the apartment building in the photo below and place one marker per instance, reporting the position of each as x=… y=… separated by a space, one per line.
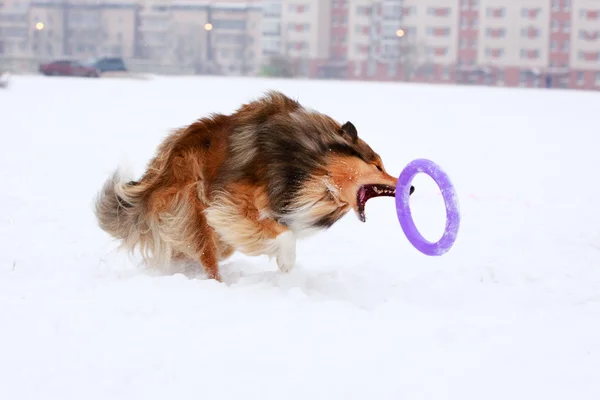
x=271 y=41
x=47 y=29
x=496 y=42
x=537 y=43
x=209 y=36
x=221 y=37
x=299 y=30
x=14 y=27
x=584 y=55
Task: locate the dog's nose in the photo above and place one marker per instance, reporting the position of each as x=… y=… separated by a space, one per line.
x=412 y=189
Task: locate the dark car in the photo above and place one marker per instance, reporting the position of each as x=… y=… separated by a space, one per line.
x=107 y=64
x=68 y=68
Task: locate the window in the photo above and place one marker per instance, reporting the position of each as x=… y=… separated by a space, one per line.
x=392 y=69
x=499 y=32
x=439 y=11
x=567 y=5
x=410 y=11
x=530 y=54
x=445 y=72
x=522 y=77
x=411 y=31
x=271 y=28
x=565 y=46
x=580 y=78
x=597 y=78
x=530 y=32
x=272 y=9
x=554 y=45
x=361 y=49
x=299 y=8
x=435 y=31
x=271 y=46
x=229 y=24
x=363 y=10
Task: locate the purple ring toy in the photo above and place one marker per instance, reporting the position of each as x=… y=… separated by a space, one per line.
x=403 y=208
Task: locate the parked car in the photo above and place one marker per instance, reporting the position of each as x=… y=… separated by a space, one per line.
x=107 y=64
x=68 y=68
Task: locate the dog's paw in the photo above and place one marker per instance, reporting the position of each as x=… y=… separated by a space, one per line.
x=286 y=254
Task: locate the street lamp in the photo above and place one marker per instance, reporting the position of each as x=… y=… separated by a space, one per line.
x=208 y=26
x=39 y=26
x=400 y=32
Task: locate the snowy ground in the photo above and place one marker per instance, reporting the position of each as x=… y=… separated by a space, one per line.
x=511 y=312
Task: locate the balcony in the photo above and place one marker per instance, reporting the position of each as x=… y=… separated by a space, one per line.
x=76 y=27
x=16 y=18
x=155 y=24
x=591 y=36
x=589 y=56
x=155 y=13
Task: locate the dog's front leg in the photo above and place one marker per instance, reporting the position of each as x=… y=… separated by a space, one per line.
x=209 y=258
x=286 y=251
x=241 y=222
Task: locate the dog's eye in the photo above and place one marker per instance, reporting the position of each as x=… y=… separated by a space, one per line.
x=379 y=168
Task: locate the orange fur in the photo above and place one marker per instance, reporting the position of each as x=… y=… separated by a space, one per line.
x=210 y=190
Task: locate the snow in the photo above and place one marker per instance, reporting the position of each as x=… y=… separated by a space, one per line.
x=510 y=312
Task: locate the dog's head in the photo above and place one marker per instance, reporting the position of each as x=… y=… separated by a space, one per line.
x=357 y=172
x=315 y=169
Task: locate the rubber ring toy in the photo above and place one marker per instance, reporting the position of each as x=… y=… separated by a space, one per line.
x=403 y=208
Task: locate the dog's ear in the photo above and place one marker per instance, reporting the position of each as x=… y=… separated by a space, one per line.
x=349 y=130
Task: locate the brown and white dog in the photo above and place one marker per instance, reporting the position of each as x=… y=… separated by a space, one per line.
x=254 y=181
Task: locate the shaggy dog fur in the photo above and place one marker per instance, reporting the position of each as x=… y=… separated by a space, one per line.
x=254 y=181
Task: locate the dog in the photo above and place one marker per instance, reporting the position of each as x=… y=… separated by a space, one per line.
x=254 y=181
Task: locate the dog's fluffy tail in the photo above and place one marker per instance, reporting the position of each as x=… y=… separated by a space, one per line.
x=119 y=209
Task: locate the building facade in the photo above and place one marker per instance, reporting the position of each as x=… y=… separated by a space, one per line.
x=528 y=43
x=495 y=42
x=205 y=36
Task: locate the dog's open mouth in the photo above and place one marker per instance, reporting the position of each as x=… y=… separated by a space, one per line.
x=367 y=192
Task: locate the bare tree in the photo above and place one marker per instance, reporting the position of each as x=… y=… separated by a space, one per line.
x=412 y=56
x=281 y=66
x=187 y=51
